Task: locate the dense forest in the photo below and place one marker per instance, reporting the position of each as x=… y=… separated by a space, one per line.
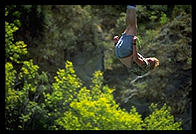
x=61 y=72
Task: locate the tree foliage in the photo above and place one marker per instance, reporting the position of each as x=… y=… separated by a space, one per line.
x=13 y=50
x=72 y=107
x=32 y=102
x=161 y=119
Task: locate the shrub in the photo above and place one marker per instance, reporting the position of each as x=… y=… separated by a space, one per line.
x=96 y=109
x=161 y=119
x=13 y=50
x=163 y=18
x=24 y=85
x=64 y=90
x=32 y=103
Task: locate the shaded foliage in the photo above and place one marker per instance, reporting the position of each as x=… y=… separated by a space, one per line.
x=33 y=101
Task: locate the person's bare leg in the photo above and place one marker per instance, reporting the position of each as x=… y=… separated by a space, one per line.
x=131 y=22
x=131 y=29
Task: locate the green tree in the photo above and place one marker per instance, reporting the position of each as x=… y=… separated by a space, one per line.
x=24 y=85
x=64 y=90
x=96 y=109
x=13 y=50
x=161 y=119
x=66 y=104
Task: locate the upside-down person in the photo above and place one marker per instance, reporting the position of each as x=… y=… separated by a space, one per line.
x=125 y=47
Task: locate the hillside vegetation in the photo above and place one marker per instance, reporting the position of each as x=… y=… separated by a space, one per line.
x=61 y=72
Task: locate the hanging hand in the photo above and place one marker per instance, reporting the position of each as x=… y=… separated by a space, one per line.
x=115 y=39
x=134 y=40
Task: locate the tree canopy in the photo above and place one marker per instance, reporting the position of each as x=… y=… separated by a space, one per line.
x=44 y=91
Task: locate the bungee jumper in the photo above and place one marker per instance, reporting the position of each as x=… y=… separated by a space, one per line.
x=125 y=47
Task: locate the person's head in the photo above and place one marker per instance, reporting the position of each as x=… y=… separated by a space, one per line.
x=154 y=62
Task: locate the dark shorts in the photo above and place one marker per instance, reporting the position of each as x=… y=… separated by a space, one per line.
x=124 y=46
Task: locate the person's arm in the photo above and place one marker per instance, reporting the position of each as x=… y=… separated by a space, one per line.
x=138 y=60
x=135 y=56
